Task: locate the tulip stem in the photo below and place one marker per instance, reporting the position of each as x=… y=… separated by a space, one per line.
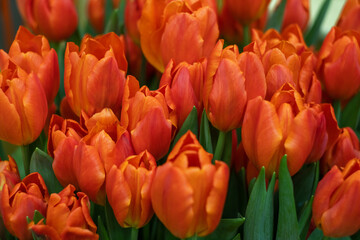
x=134 y=233
x=26 y=158
x=220 y=146
x=247 y=37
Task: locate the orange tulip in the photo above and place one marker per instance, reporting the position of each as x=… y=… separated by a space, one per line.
x=57 y=20
x=283 y=126
x=33 y=54
x=9 y=174
x=148 y=118
x=334 y=208
x=128 y=190
x=188 y=191
x=23 y=106
x=186 y=83
x=27 y=196
x=95 y=75
x=162 y=39
x=106 y=143
x=96 y=12
x=67 y=217
x=350 y=16
x=231 y=80
x=64 y=136
x=287 y=59
x=296 y=11
x=247 y=11
x=345 y=148
x=339 y=63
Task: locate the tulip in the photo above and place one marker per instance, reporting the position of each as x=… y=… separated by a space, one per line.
x=186 y=83
x=96 y=12
x=232 y=79
x=283 y=126
x=95 y=75
x=133 y=10
x=33 y=54
x=162 y=39
x=333 y=208
x=27 y=196
x=9 y=174
x=247 y=11
x=287 y=59
x=128 y=190
x=67 y=217
x=23 y=106
x=57 y=20
x=104 y=144
x=339 y=63
x=345 y=148
x=296 y=11
x=64 y=136
x=350 y=16
x=148 y=118
x=188 y=191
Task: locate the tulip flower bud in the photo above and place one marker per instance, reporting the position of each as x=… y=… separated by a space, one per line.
x=95 y=75
x=339 y=63
x=128 y=190
x=298 y=12
x=133 y=10
x=188 y=191
x=283 y=126
x=345 y=148
x=232 y=79
x=162 y=39
x=23 y=106
x=33 y=54
x=9 y=174
x=334 y=209
x=27 y=196
x=350 y=16
x=148 y=118
x=67 y=217
x=186 y=83
x=57 y=20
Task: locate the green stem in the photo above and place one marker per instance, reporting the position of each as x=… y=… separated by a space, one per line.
x=142 y=79
x=337 y=110
x=246 y=34
x=220 y=146
x=26 y=158
x=134 y=233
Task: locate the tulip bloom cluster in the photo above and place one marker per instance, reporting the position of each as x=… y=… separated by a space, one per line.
x=139 y=109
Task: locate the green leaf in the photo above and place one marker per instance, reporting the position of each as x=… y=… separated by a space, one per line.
x=82 y=16
x=356 y=236
x=38 y=216
x=205 y=134
x=243 y=201
x=231 y=207
x=103 y=235
x=276 y=19
x=42 y=163
x=260 y=212
x=287 y=221
x=2 y=152
x=317 y=234
x=108 y=13
x=351 y=114
x=312 y=35
x=115 y=22
x=305 y=218
x=303 y=184
x=227 y=229
x=237 y=237
x=191 y=123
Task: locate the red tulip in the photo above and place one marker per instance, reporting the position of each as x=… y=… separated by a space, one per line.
x=188 y=191
x=232 y=79
x=296 y=12
x=148 y=118
x=95 y=75
x=247 y=11
x=128 y=190
x=334 y=210
x=27 y=196
x=350 y=16
x=67 y=217
x=186 y=83
x=339 y=63
x=162 y=39
x=96 y=12
x=57 y=20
